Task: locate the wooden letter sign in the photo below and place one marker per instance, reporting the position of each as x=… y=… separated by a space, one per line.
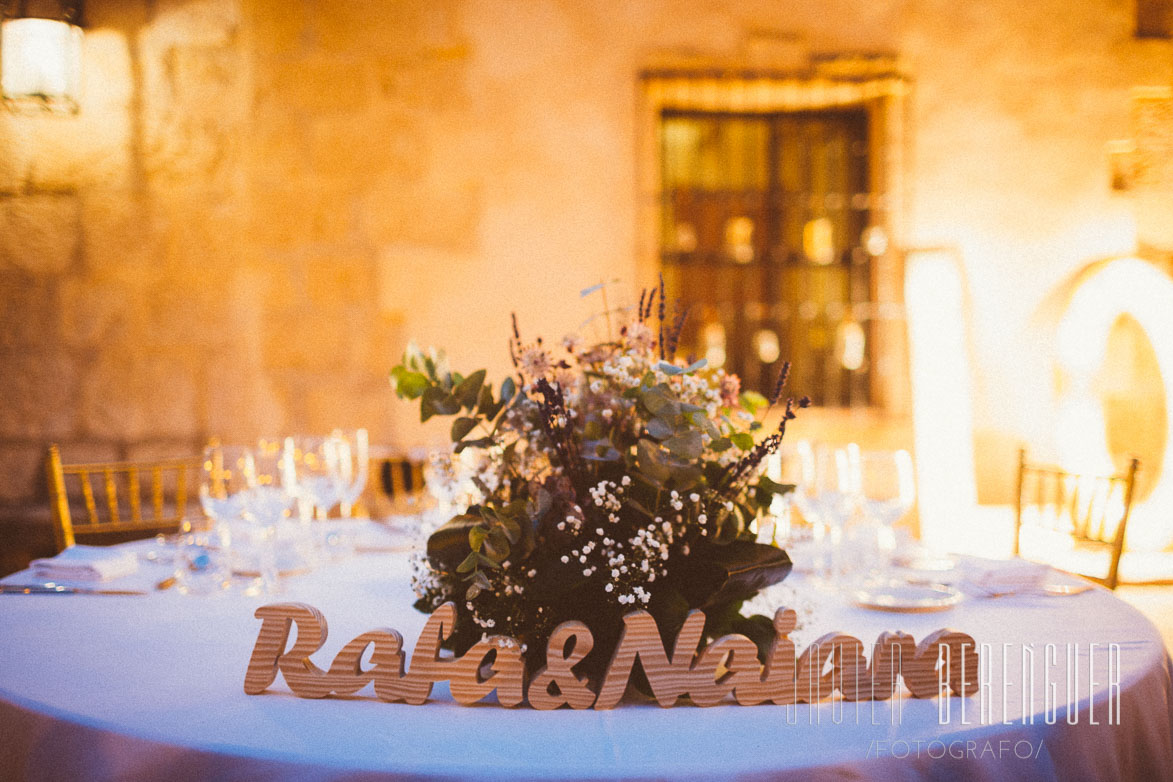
x=946 y=661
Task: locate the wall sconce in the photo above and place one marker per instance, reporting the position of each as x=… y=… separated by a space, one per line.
x=40 y=56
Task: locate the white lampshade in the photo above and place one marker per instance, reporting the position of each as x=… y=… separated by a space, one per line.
x=40 y=64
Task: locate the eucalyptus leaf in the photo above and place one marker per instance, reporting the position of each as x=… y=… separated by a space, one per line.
x=468 y=563
x=742 y=440
x=461 y=427
x=687 y=446
x=476 y=537
x=508 y=389
x=752 y=401
x=660 y=429
x=408 y=384
x=469 y=390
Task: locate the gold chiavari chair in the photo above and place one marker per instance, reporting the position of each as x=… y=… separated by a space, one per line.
x=395 y=484
x=108 y=498
x=1089 y=511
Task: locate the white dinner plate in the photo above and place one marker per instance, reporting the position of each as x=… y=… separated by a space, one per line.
x=901 y=596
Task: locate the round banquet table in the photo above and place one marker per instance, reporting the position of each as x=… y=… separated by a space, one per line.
x=151 y=687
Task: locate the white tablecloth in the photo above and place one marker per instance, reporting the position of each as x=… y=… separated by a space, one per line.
x=99 y=687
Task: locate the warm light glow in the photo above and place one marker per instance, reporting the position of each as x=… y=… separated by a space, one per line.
x=739 y=238
x=713 y=335
x=941 y=396
x=765 y=342
x=818 y=240
x=1126 y=286
x=40 y=64
x=850 y=345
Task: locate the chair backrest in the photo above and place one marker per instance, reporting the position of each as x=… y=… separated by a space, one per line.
x=1091 y=509
x=395 y=484
x=108 y=497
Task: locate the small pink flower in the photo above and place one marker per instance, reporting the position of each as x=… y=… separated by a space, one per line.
x=534 y=362
x=730 y=389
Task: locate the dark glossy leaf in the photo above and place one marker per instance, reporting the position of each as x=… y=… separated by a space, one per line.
x=713 y=574
x=757 y=628
x=483 y=442
x=448 y=545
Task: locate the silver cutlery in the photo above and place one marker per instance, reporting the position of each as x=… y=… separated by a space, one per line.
x=58 y=589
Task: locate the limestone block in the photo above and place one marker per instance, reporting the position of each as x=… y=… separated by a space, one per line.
x=180 y=314
x=411 y=81
x=95 y=312
x=128 y=396
x=194 y=114
x=366 y=26
x=276 y=26
x=240 y=402
x=23 y=471
x=277 y=146
x=124 y=15
x=40 y=233
x=90 y=452
x=162 y=449
x=28 y=315
x=38 y=389
x=338 y=280
x=446 y=218
x=120 y=234
x=310 y=339
x=201 y=23
x=388 y=143
x=317 y=86
x=301 y=213
x=332 y=403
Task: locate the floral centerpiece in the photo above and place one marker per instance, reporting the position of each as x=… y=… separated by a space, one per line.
x=611 y=477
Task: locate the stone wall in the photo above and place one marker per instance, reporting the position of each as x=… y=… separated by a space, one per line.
x=261 y=200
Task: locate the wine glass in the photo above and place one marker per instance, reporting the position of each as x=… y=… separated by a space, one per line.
x=353 y=466
x=887 y=493
x=316 y=465
x=827 y=497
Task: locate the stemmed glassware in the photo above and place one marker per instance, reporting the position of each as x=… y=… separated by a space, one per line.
x=827 y=498
x=354 y=463
x=887 y=492
x=256 y=486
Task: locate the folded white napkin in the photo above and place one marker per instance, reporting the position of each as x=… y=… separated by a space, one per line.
x=1014 y=576
x=86 y=563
